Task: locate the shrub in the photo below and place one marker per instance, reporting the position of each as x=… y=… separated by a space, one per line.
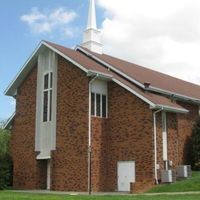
x=5 y=160
x=196 y=146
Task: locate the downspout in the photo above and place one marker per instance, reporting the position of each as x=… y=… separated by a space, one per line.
x=155 y=144
x=90 y=137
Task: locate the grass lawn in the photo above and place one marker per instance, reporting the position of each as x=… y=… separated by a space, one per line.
x=191 y=184
x=9 y=195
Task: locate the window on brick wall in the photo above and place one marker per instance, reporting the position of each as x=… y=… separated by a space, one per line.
x=98 y=105
x=47 y=97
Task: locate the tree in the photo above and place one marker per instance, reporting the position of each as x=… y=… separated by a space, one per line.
x=196 y=146
x=5 y=160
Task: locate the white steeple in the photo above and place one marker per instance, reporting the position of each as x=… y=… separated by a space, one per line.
x=92 y=16
x=92 y=36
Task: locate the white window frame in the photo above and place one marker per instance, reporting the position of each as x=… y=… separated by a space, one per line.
x=101 y=105
x=49 y=90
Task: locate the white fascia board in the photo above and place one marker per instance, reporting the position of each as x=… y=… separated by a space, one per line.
x=66 y=57
x=11 y=89
x=12 y=84
x=100 y=74
x=154 y=89
x=109 y=77
x=167 y=92
x=152 y=105
x=171 y=108
x=8 y=123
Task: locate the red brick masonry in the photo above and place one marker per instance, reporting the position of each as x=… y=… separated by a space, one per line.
x=127 y=134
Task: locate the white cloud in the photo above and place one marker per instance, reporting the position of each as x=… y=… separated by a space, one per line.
x=49 y=21
x=163 y=35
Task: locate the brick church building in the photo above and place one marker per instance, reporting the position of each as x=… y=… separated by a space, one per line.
x=86 y=121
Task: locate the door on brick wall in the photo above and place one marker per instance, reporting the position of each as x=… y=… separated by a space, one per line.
x=126 y=175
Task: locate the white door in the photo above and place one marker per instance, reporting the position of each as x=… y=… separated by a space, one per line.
x=126 y=175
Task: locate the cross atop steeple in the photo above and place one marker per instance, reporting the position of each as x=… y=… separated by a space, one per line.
x=92 y=36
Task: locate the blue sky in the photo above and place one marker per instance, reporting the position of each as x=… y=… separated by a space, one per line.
x=18 y=40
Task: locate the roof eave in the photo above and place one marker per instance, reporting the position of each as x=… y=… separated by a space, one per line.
x=9 y=122
x=153 y=89
x=171 y=109
x=100 y=75
x=110 y=66
x=11 y=90
x=151 y=104
x=66 y=57
x=174 y=94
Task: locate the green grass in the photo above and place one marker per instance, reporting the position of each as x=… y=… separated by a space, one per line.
x=192 y=184
x=188 y=185
x=9 y=195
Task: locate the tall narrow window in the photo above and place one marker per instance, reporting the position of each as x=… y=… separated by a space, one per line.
x=98 y=105
x=47 y=97
x=45 y=106
x=92 y=103
x=104 y=106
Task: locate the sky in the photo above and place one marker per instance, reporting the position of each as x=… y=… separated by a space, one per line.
x=161 y=35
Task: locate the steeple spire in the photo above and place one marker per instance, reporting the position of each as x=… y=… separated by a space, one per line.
x=92 y=36
x=92 y=16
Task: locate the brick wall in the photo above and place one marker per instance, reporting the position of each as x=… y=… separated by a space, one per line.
x=130 y=137
x=127 y=135
x=99 y=154
x=179 y=127
x=70 y=159
x=28 y=173
x=185 y=125
x=172 y=139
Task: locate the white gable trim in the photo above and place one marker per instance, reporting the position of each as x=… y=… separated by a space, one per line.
x=176 y=95
x=135 y=93
x=102 y=75
x=151 y=88
x=66 y=57
x=12 y=84
x=18 y=79
x=111 y=67
x=11 y=89
x=9 y=121
x=171 y=109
